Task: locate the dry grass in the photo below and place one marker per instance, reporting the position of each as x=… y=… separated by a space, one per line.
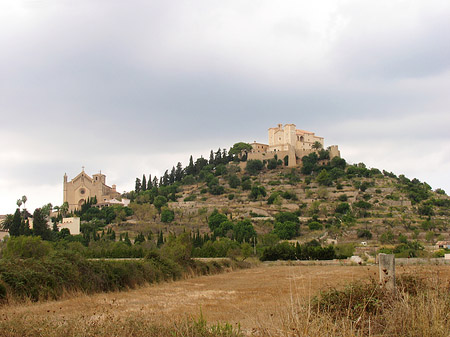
x=265 y=301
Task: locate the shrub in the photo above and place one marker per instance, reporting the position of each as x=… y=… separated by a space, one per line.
x=342 y=208
x=286 y=230
x=192 y=197
x=167 y=215
x=234 y=181
x=364 y=233
x=343 y=197
x=315 y=225
x=286 y=216
x=25 y=247
x=253 y=167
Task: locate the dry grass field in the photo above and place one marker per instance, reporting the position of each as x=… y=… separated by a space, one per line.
x=257 y=299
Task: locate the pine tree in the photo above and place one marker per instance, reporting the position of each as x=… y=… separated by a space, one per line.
x=211 y=158
x=172 y=176
x=166 y=178
x=179 y=172
x=155 y=182
x=218 y=157
x=144 y=183
x=225 y=156
x=137 y=186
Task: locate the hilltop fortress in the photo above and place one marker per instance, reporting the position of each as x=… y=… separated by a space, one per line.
x=291 y=142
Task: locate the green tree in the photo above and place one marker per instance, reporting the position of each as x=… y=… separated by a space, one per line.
x=342 y=208
x=216 y=219
x=24 y=200
x=240 y=148
x=140 y=238
x=14 y=229
x=160 y=240
x=137 y=185
x=40 y=227
x=234 y=181
x=253 y=167
x=257 y=191
x=243 y=231
x=159 y=202
x=286 y=230
x=317 y=145
x=144 y=183
x=324 y=179
x=167 y=215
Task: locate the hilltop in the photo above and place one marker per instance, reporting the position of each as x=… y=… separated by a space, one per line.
x=334 y=202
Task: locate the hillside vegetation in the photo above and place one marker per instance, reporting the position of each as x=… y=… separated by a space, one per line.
x=320 y=203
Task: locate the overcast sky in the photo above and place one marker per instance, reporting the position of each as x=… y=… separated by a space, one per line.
x=133 y=87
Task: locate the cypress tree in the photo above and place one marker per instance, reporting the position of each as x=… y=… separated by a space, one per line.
x=40 y=227
x=144 y=183
x=149 y=184
x=211 y=158
x=14 y=230
x=160 y=239
x=127 y=239
x=190 y=169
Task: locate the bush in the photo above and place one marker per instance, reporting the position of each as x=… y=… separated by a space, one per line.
x=342 y=208
x=286 y=216
x=315 y=225
x=253 y=167
x=364 y=233
x=192 y=197
x=25 y=247
x=167 y=215
x=343 y=197
x=286 y=230
x=234 y=181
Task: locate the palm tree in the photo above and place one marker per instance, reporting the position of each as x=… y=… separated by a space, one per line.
x=317 y=145
x=19 y=202
x=24 y=200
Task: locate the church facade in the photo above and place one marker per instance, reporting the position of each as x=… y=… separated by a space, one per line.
x=82 y=187
x=289 y=141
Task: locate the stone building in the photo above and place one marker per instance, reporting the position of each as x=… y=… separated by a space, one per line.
x=288 y=141
x=82 y=187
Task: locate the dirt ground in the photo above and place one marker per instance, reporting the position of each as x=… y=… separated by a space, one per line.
x=250 y=297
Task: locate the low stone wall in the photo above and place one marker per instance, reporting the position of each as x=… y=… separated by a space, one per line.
x=433 y=261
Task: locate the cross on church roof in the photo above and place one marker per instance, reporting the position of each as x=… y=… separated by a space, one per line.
x=82 y=168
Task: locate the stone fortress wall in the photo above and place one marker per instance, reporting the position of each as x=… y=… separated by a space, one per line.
x=291 y=142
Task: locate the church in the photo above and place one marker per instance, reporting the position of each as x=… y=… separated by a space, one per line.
x=82 y=187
